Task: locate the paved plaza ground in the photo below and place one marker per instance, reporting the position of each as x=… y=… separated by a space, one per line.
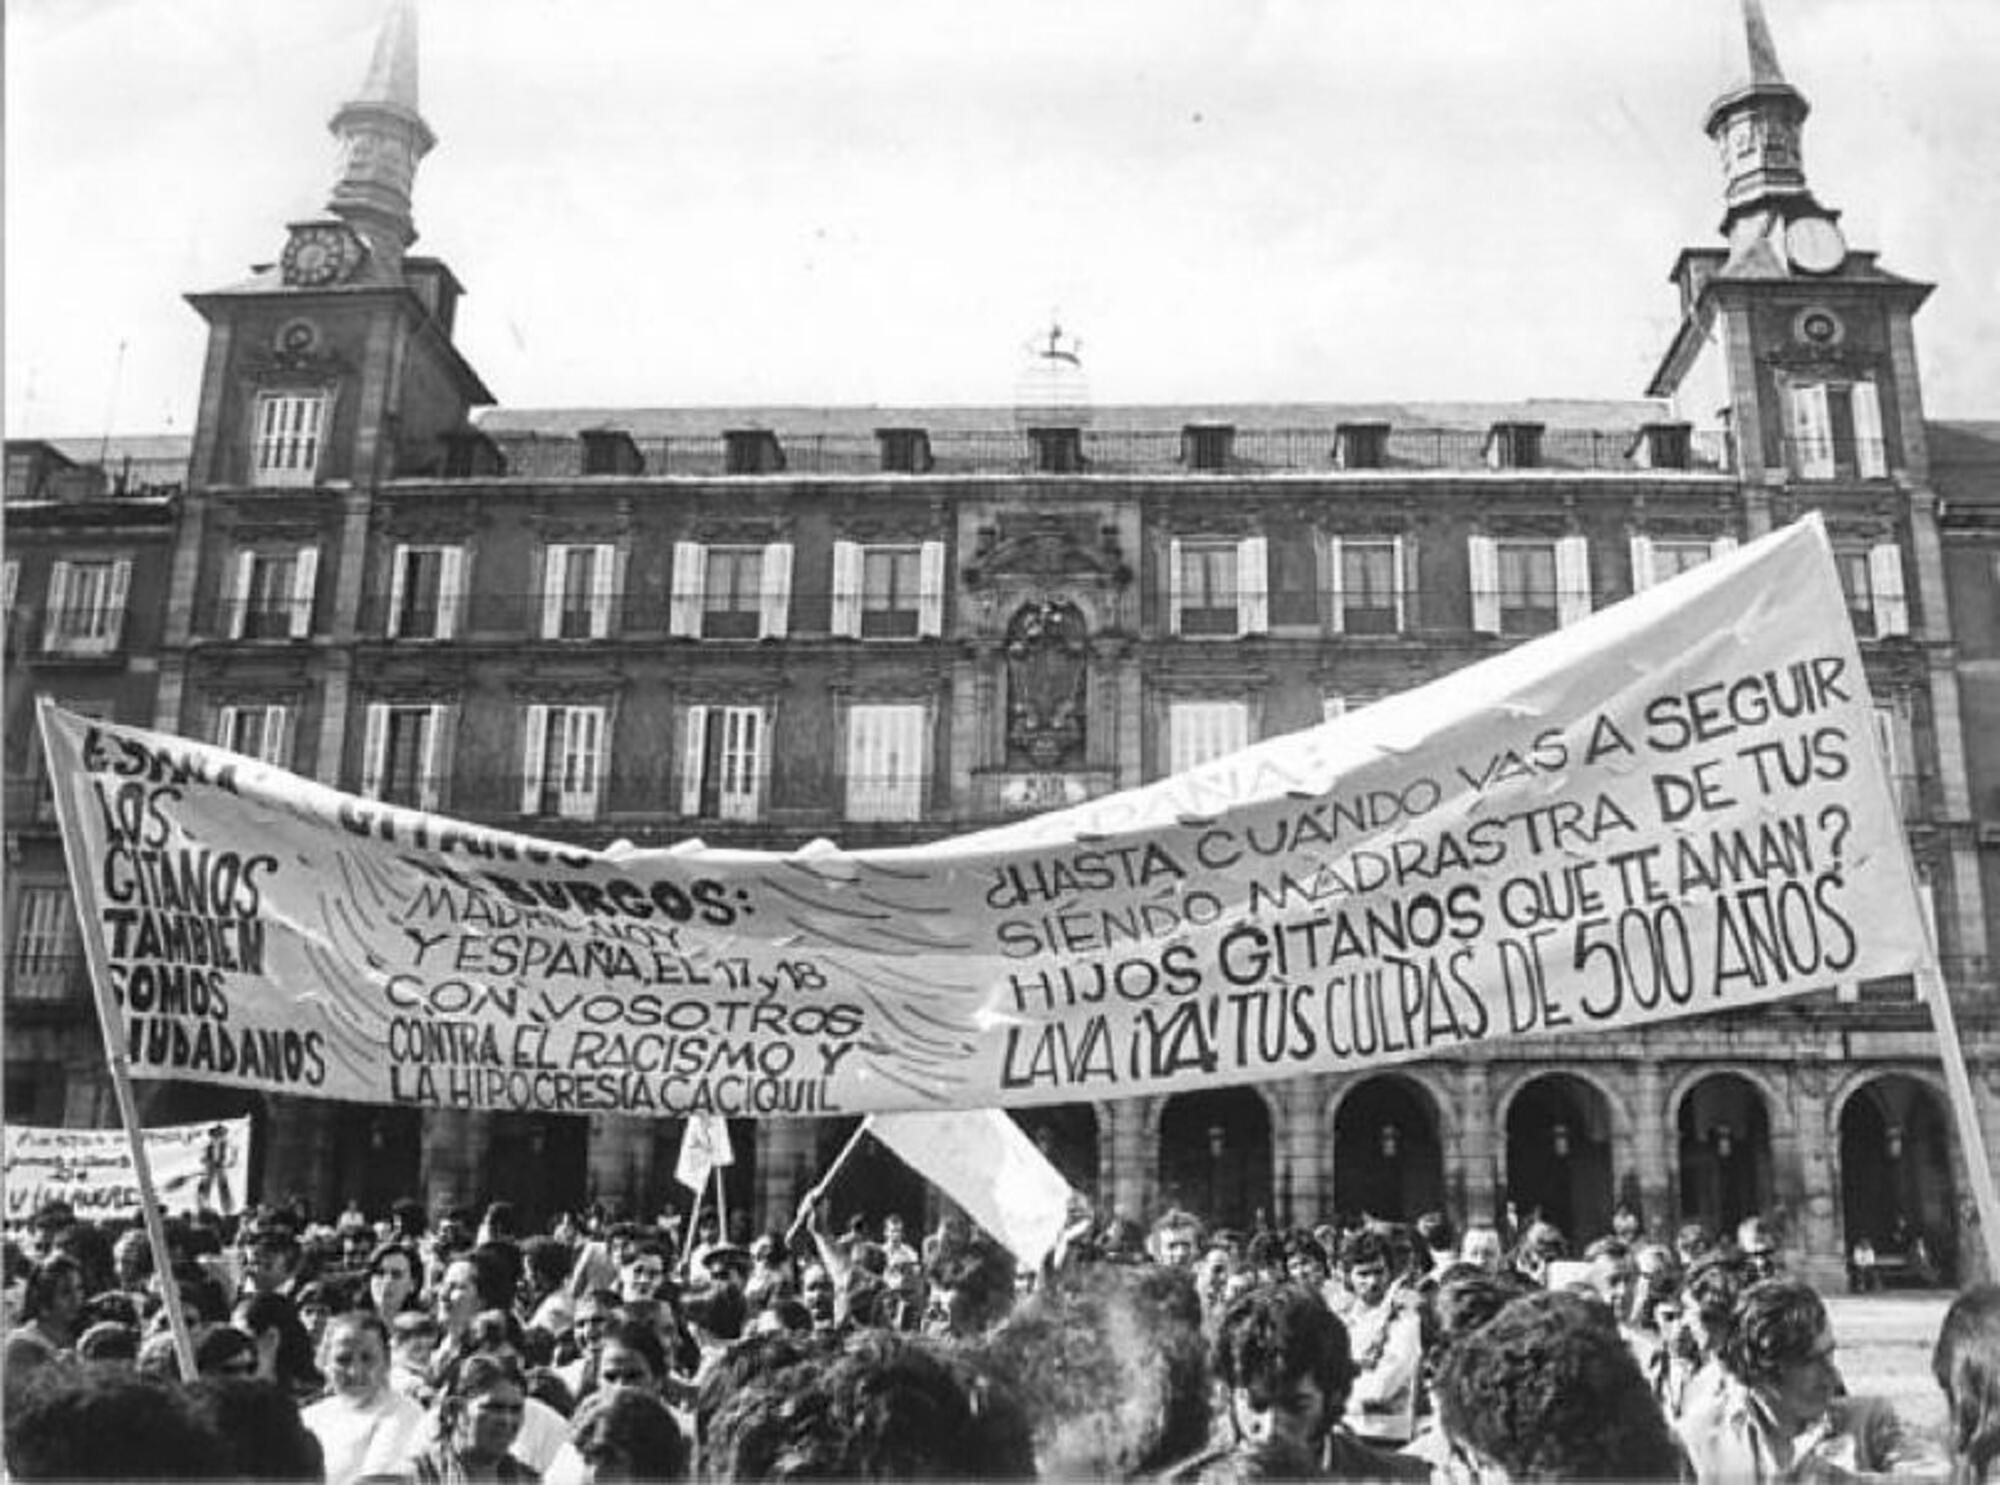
x=1885 y=1345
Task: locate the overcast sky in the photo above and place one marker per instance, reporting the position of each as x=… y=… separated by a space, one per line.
x=660 y=202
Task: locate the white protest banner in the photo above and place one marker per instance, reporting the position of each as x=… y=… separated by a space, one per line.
x=1674 y=806
x=194 y=1166
x=704 y=1146
x=986 y=1163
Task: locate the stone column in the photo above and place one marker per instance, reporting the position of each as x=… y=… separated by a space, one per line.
x=1302 y=1177
x=1803 y=1180
x=1472 y=1167
x=620 y=1161
x=454 y=1150
x=1130 y=1178
x=1655 y=1138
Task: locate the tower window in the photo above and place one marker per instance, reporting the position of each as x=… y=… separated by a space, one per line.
x=288 y=440
x=1835 y=431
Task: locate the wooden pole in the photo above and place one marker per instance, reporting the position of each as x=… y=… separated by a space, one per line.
x=812 y=1198
x=1972 y=1138
x=62 y=781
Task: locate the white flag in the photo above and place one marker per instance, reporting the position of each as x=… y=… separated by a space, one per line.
x=982 y=1160
x=704 y=1146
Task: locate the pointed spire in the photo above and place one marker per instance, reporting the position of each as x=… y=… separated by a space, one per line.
x=1758 y=127
x=382 y=138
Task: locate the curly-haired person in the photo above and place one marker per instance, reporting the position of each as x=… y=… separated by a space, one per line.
x=1546 y=1390
x=1966 y=1364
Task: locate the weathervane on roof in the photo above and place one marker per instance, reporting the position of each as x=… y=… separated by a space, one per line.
x=1050 y=389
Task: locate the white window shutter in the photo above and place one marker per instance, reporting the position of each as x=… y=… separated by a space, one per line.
x=743 y=733
x=55 y=612
x=239 y=597
x=305 y=582
x=1336 y=583
x=1871 y=457
x=1253 y=585
x=554 y=571
x=451 y=590
x=374 y=749
x=847 y=568
x=596 y=743
x=930 y=590
x=1399 y=575
x=437 y=756
x=1722 y=546
x=694 y=754
x=225 y=727
x=690 y=577
x=1482 y=555
x=1572 y=579
x=276 y=749
x=399 y=569
x=10 y=583
x=603 y=585
x=534 y=757
x=115 y=598
x=1174 y=586
x=1812 y=431
x=1885 y=580
x=1642 y=563
x=775 y=603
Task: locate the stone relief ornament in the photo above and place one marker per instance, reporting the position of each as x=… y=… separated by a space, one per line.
x=1047 y=668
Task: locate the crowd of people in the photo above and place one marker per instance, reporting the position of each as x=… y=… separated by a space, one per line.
x=439 y=1348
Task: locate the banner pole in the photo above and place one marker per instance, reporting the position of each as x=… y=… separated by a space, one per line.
x=1972 y=1138
x=812 y=1198
x=694 y=1221
x=114 y=1050
x=721 y=1207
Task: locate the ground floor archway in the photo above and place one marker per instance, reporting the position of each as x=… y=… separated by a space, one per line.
x=1559 y=1152
x=540 y=1163
x=1725 y=1152
x=377 y=1157
x=1896 y=1170
x=1215 y=1156
x=1388 y=1159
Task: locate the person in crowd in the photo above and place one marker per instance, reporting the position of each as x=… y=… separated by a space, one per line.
x=284 y=1350
x=258 y=1424
x=629 y=1355
x=1691 y=1240
x=319 y=1301
x=1541 y=1244
x=51 y=1312
x=1546 y=1390
x=1482 y=1245
x=1439 y=1241
x=414 y=1336
x=471 y=1284
x=820 y=1296
x=219 y=1351
x=596 y=1313
x=131 y=1260
x=93 y=1423
x=1688 y=1367
x=1655 y=1285
x=624 y=1435
x=541 y=1440
x=395 y=1280
x=771 y=1270
x=545 y=1296
x=109 y=1343
x=1757 y=1243
x=1966 y=1364
x=1627 y=1225
x=1464 y=1298
x=1265 y=1255
x=1611 y=1274
x=365 y=1427
x=896 y=1239
x=478 y=1420
x=882 y=1407
x=1783 y=1413
x=271 y=1259
x=1176 y=1239
x=1386 y=1340
x=1111 y=1364
x=971 y=1288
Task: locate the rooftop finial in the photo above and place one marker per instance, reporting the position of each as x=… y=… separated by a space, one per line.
x=392 y=72
x=1764 y=66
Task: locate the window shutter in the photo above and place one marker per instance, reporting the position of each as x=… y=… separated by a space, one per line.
x=554 y=571
x=399 y=568
x=930 y=590
x=374 y=749
x=847 y=567
x=1722 y=546
x=743 y=734
x=1895 y=747
x=451 y=590
x=239 y=597
x=1885 y=580
x=1572 y=579
x=1642 y=563
x=1253 y=585
x=10 y=583
x=534 y=757
x=1337 y=582
x=305 y=581
x=1482 y=555
x=1174 y=586
x=113 y=627
x=1812 y=431
x=55 y=612
x=582 y=761
x=225 y=727
x=690 y=577
x=1398 y=574
x=603 y=586
x=775 y=602
x=276 y=749
x=1871 y=455
x=864 y=780
x=694 y=748
x=436 y=756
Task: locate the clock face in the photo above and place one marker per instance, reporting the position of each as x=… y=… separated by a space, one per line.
x=1814 y=245
x=316 y=256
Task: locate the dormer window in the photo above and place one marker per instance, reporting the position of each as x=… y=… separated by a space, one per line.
x=1663 y=446
x=611 y=451
x=1057 y=450
x=1207 y=446
x=1360 y=445
x=752 y=451
x=1514 y=446
x=904 y=450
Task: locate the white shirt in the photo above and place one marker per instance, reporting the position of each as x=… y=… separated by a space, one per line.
x=1383 y=1403
x=374 y=1438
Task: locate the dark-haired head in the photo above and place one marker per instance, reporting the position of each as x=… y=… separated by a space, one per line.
x=1966 y=1364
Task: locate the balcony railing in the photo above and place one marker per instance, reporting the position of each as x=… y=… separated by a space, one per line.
x=258 y=619
x=1837 y=459
x=1107 y=452
x=68 y=633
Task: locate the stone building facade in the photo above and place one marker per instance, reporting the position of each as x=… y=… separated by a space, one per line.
x=758 y=627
